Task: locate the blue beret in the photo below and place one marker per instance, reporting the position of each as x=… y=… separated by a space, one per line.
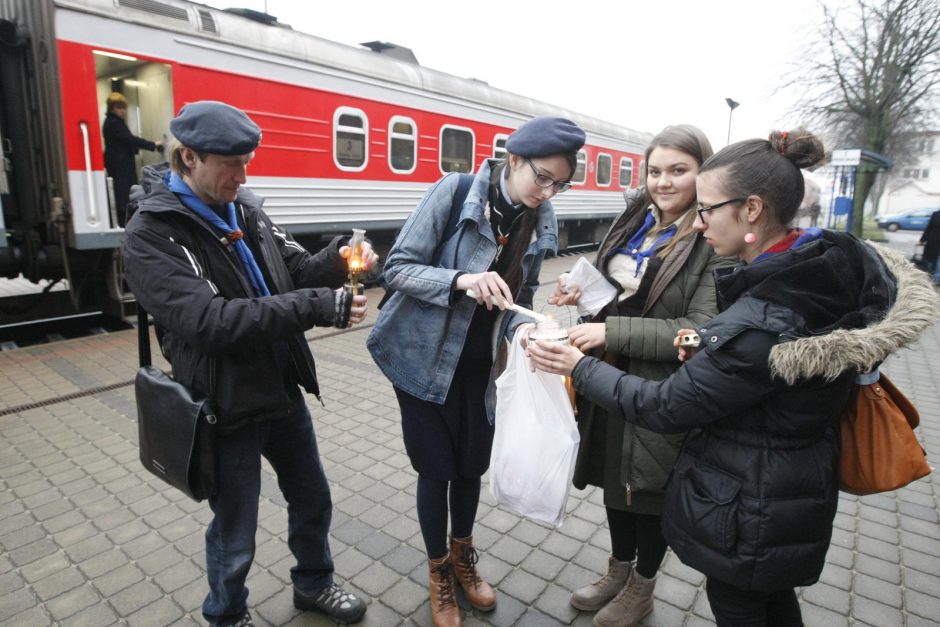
x=544 y=136
x=216 y=128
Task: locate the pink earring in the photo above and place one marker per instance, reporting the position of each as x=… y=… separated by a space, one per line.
x=750 y=238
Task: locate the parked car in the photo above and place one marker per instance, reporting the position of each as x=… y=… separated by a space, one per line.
x=911 y=220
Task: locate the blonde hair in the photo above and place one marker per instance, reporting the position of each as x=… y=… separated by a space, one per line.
x=173 y=149
x=116 y=99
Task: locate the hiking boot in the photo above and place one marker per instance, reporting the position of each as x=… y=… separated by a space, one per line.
x=599 y=593
x=464 y=558
x=341 y=606
x=442 y=585
x=630 y=606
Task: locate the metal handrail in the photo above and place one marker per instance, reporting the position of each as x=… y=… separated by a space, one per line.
x=89 y=182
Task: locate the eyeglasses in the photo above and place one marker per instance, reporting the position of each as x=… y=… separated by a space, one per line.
x=703 y=210
x=545 y=182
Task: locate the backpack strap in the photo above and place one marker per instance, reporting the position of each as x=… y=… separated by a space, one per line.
x=456 y=204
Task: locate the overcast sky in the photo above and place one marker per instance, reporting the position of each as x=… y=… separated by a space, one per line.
x=638 y=64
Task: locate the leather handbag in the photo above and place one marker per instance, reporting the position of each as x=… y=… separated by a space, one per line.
x=880 y=451
x=177 y=428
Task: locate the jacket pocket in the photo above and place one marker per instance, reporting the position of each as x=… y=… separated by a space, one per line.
x=708 y=500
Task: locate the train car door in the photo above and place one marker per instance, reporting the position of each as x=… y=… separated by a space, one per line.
x=148 y=88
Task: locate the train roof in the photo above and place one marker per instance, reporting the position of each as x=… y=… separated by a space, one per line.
x=275 y=38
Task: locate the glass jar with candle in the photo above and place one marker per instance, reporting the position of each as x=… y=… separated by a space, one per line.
x=550 y=330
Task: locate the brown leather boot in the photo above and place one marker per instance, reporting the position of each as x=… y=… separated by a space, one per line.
x=443 y=588
x=465 y=557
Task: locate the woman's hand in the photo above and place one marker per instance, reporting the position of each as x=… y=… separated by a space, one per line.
x=488 y=288
x=522 y=331
x=588 y=336
x=685 y=352
x=554 y=357
x=561 y=295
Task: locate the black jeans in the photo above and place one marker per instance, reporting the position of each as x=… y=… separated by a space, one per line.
x=734 y=607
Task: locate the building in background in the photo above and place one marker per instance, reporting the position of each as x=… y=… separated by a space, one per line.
x=916 y=184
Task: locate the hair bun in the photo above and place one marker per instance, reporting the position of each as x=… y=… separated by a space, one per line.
x=799 y=146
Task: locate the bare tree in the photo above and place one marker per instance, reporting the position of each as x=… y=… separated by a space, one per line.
x=872 y=78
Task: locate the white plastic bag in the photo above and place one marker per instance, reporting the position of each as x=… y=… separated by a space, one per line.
x=596 y=291
x=535 y=443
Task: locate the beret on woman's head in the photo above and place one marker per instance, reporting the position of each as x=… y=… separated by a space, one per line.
x=216 y=128
x=545 y=136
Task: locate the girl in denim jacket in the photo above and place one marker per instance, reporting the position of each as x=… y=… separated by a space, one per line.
x=435 y=344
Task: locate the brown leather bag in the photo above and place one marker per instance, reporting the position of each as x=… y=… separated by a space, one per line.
x=880 y=452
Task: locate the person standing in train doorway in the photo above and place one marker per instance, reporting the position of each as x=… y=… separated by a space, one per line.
x=231 y=295
x=663 y=271
x=487 y=233
x=120 y=146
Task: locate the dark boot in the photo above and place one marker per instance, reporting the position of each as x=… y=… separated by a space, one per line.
x=443 y=589
x=465 y=557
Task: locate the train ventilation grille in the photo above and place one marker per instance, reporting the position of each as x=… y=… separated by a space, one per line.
x=208 y=22
x=157 y=8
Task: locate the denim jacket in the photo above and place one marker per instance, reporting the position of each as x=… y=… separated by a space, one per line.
x=419 y=335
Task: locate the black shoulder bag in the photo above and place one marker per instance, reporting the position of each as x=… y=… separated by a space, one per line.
x=176 y=428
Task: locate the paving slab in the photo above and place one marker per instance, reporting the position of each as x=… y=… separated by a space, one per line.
x=87 y=537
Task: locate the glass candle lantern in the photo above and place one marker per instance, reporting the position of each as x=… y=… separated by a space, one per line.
x=355 y=261
x=550 y=330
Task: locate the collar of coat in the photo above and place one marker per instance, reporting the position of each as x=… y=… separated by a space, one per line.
x=860 y=301
x=159 y=198
x=625 y=225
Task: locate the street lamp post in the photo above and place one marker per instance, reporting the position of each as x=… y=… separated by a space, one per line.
x=732 y=105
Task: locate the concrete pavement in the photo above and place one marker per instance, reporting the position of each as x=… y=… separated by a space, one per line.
x=90 y=538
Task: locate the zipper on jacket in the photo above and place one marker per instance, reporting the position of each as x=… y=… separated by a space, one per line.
x=319 y=398
x=629 y=490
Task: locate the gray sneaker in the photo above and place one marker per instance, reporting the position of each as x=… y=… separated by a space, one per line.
x=343 y=607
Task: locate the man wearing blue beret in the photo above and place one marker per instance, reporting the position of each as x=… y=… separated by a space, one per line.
x=231 y=295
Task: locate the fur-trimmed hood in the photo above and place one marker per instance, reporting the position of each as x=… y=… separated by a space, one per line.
x=914 y=308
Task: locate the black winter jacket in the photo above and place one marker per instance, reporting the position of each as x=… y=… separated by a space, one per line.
x=753 y=494
x=205 y=310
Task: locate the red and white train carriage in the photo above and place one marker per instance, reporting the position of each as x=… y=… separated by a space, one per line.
x=351 y=136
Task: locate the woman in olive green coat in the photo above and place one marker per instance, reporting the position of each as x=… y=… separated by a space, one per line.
x=663 y=273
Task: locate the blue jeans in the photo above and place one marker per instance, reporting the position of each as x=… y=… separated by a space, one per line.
x=290 y=445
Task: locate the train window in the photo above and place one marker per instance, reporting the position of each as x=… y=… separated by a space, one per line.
x=403 y=145
x=626 y=172
x=350 y=129
x=499 y=146
x=581 y=168
x=603 y=169
x=456 y=149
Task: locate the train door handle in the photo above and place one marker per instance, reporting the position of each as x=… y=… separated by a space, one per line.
x=89 y=180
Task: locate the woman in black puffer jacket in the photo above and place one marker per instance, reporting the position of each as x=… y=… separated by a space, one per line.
x=752 y=497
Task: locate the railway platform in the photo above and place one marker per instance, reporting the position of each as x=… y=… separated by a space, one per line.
x=88 y=537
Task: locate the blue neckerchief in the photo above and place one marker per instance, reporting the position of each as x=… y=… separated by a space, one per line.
x=633 y=246
x=805 y=237
x=201 y=209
